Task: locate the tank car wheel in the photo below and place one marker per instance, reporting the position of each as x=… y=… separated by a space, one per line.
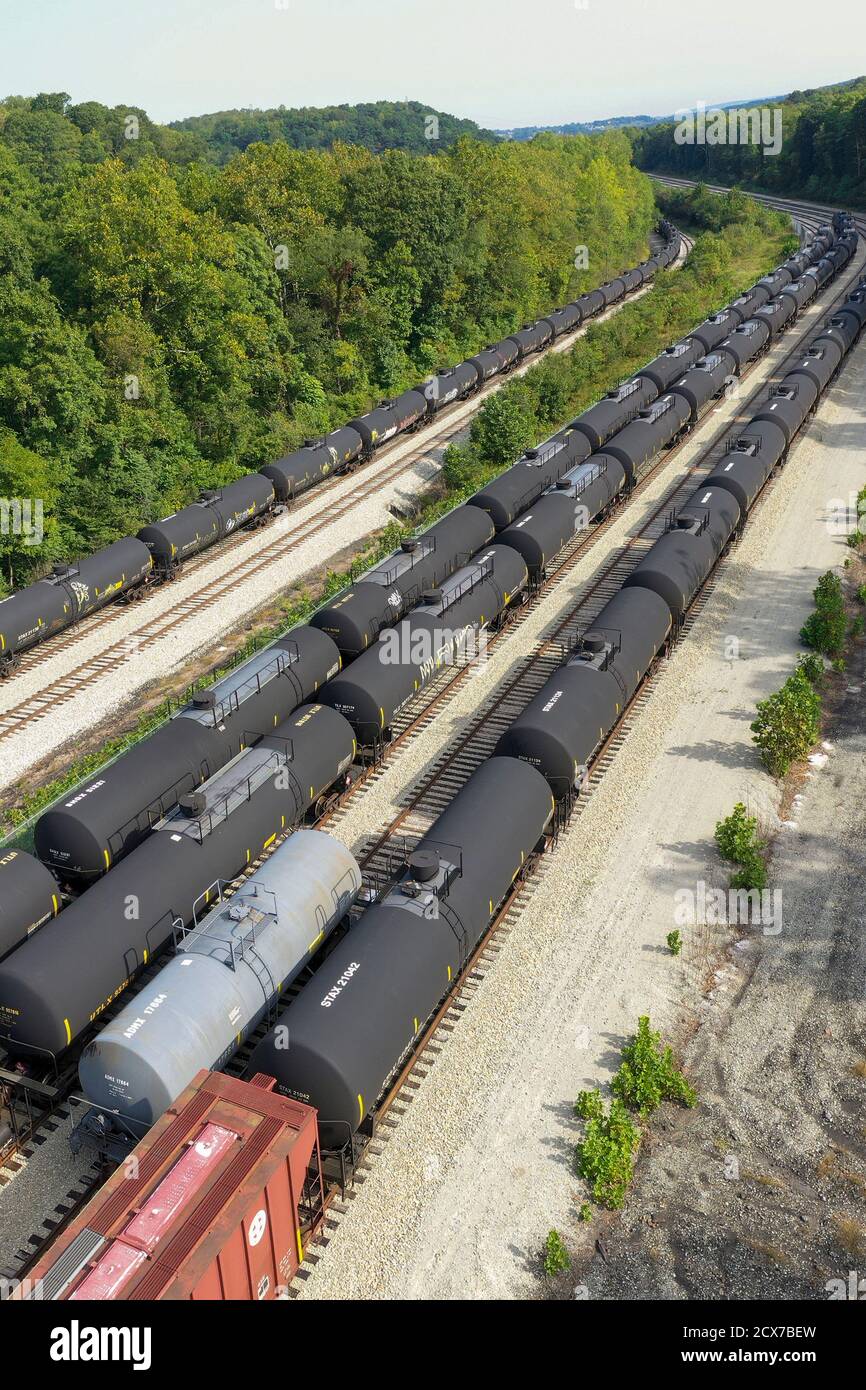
x=9 y=666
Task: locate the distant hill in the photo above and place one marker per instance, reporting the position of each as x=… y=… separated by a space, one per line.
x=851 y=86
x=618 y=122
x=526 y=132
x=821 y=153
x=377 y=125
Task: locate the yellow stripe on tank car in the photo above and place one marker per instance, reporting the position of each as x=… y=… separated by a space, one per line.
x=300 y=1245
x=314 y=943
x=269 y=841
x=68 y=1030
x=415 y=1021
x=449 y=972
x=2 y=643
x=55 y=903
x=381 y=717
x=144 y=957
x=107 y=859
x=360 y=1108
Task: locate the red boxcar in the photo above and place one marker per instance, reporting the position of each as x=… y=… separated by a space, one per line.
x=216 y=1202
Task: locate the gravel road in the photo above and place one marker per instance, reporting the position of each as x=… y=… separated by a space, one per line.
x=480 y=1167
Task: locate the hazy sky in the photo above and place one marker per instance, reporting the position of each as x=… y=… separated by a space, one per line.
x=502 y=62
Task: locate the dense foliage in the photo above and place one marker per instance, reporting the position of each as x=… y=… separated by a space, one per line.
x=377 y=125
x=165 y=324
x=822 y=154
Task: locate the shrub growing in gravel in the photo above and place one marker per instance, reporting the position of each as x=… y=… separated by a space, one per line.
x=737 y=835
x=788 y=723
x=606 y=1154
x=737 y=839
x=824 y=630
x=812 y=667
x=648 y=1073
x=556 y=1257
x=675 y=942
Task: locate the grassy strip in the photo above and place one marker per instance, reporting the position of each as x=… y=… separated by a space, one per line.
x=560 y=386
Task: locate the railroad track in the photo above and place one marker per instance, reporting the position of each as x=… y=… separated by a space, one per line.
x=455 y=764
x=211 y=592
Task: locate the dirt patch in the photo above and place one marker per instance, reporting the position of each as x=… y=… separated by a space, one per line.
x=759 y=1191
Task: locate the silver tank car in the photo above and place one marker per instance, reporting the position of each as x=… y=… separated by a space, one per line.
x=229 y=970
x=355 y=1020
x=62 y=978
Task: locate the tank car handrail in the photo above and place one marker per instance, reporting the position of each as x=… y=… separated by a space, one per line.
x=595 y=468
x=235 y=795
x=477 y=575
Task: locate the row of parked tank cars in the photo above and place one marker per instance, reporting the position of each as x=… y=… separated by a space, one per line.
x=125 y=570
x=150 y=845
